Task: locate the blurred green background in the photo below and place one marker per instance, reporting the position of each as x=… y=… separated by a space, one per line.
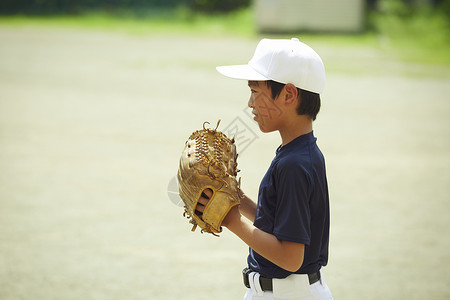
x=420 y=29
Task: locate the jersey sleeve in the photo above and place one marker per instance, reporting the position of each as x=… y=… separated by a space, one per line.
x=292 y=216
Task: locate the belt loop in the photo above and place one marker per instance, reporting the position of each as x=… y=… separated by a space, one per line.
x=255 y=286
x=251 y=282
x=258 y=287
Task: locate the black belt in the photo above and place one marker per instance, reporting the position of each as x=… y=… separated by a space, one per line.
x=266 y=283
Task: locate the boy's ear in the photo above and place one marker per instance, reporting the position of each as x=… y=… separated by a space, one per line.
x=291 y=93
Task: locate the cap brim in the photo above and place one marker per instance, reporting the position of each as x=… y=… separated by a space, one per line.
x=241 y=72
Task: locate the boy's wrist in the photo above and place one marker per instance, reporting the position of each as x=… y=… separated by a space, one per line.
x=232 y=218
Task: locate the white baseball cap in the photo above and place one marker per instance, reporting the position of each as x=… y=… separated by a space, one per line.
x=284 y=61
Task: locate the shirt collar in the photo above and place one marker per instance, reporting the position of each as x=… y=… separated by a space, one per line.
x=298 y=140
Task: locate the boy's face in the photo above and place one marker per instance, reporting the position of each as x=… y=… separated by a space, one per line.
x=267 y=110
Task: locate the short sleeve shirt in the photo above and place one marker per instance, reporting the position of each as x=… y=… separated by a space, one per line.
x=293 y=205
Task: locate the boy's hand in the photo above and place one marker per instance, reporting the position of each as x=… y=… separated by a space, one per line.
x=232 y=216
x=203 y=201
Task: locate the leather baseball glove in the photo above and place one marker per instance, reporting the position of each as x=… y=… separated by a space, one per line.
x=208 y=161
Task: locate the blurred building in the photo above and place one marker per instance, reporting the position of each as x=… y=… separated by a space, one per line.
x=310 y=15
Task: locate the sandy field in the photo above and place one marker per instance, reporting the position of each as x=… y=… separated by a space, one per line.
x=92 y=125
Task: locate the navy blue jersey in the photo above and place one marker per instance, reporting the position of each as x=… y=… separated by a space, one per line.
x=293 y=205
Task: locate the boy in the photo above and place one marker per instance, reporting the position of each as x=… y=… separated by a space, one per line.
x=288 y=231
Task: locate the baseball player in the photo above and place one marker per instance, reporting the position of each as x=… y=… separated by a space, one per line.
x=287 y=229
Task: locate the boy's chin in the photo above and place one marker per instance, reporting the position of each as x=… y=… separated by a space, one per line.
x=265 y=129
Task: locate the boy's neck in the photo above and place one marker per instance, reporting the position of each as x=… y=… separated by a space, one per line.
x=294 y=129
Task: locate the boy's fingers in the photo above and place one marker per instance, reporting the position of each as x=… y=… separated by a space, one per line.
x=208 y=193
x=199 y=209
x=203 y=201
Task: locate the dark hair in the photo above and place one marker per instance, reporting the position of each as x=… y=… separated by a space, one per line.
x=309 y=101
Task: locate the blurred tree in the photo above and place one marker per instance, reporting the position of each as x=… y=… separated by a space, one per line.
x=218 y=5
x=8 y=7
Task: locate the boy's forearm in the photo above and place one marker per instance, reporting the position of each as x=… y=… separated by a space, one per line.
x=287 y=255
x=248 y=207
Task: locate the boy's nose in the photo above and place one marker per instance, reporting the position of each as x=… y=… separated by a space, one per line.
x=250 y=102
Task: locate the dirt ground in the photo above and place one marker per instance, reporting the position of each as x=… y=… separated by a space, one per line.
x=91 y=128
